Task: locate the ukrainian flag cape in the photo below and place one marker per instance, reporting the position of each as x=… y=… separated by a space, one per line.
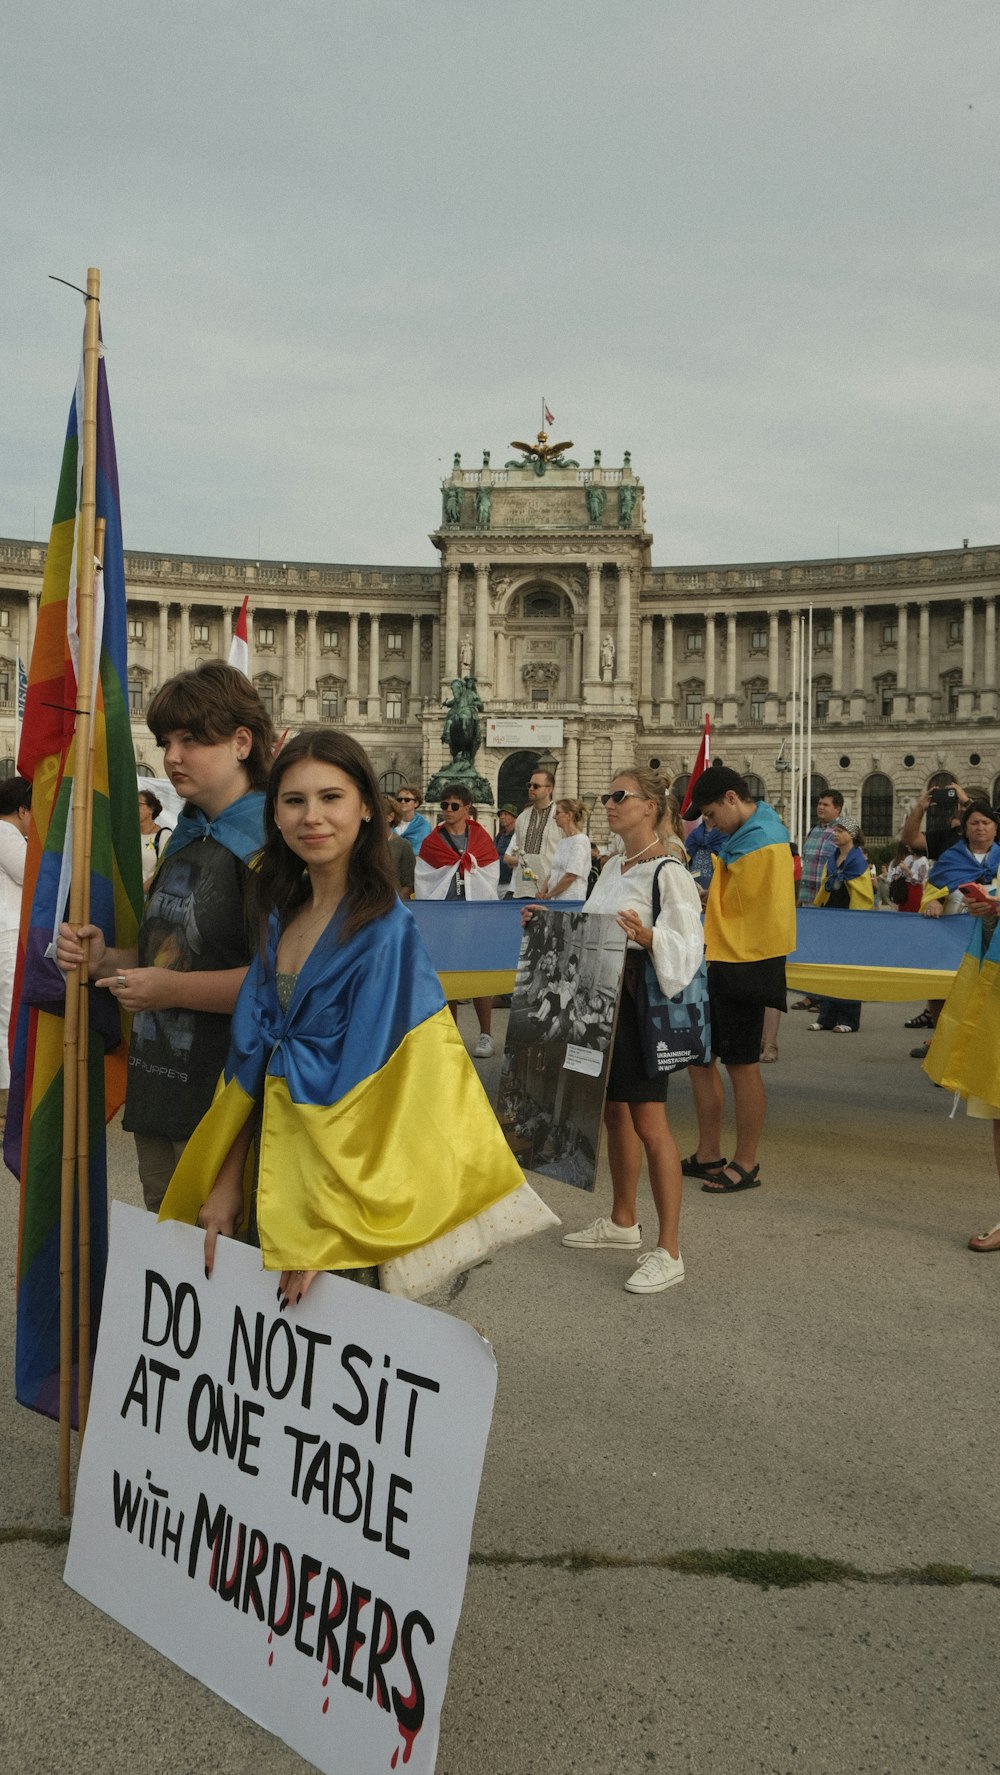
x=854 y=874
x=750 y=914
x=964 y=1055
x=376 y=1134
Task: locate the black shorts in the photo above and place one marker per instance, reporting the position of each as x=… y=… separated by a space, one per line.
x=738 y=995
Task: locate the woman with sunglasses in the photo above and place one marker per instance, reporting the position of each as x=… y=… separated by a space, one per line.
x=412 y=824
x=634 y=1112
x=458 y=861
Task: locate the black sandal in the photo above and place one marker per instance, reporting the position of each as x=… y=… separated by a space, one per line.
x=695 y=1167
x=924 y=1021
x=724 y=1186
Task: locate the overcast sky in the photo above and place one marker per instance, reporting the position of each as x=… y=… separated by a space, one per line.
x=753 y=241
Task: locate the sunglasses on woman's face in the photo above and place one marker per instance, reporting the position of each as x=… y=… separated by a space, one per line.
x=618 y=796
x=451 y=807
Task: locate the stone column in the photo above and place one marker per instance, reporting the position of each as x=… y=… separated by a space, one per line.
x=310 y=694
x=729 y=704
x=32 y=623
x=901 y=699
x=483 y=663
x=646 y=668
x=709 y=698
x=290 y=698
x=966 y=694
x=352 y=666
x=667 y=687
x=163 y=671
x=923 y=706
x=859 y=700
x=773 y=668
x=449 y=665
x=435 y=654
x=623 y=638
x=988 y=694
x=184 y=650
x=416 y=653
x=592 y=663
x=374 y=665
x=576 y=688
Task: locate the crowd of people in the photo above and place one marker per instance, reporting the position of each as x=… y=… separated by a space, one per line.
x=275 y=953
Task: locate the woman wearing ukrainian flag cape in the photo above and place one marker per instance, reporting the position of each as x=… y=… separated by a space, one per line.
x=377 y=1143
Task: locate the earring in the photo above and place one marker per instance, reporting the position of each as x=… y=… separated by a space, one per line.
x=366 y=818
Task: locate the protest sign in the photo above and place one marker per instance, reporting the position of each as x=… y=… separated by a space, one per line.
x=559 y=1038
x=282 y=1504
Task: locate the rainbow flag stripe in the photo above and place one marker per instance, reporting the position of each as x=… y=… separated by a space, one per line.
x=33 y=1135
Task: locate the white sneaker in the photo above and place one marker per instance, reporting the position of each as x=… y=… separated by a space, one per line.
x=484 y=1049
x=654 y=1272
x=843 y=1029
x=603 y=1232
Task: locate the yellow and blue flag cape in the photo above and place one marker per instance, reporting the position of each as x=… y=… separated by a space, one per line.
x=376 y=1134
x=750 y=914
x=964 y=1054
x=854 y=874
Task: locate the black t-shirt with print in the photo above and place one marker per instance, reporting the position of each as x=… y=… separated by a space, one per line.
x=194 y=921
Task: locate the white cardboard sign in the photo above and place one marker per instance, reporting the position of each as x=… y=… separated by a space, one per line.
x=282 y=1503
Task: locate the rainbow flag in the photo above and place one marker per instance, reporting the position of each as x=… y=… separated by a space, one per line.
x=33 y=1135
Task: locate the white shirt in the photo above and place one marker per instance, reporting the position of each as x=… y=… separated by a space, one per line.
x=678 y=938
x=13 y=856
x=571 y=857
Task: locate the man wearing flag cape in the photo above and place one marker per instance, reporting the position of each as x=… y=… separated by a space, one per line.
x=749 y=934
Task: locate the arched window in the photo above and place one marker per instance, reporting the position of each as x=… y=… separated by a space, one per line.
x=543 y=604
x=512 y=784
x=755 y=784
x=877 y=807
x=390 y=781
x=817 y=786
x=679 y=786
x=941 y=779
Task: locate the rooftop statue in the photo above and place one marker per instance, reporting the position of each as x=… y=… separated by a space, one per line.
x=542 y=453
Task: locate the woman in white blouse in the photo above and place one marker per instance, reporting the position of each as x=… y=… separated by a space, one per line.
x=634 y=1112
x=570 y=866
x=15 y=819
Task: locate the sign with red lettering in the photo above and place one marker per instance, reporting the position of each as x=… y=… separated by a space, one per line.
x=282 y=1503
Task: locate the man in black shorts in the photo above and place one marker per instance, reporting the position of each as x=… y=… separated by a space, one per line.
x=749 y=933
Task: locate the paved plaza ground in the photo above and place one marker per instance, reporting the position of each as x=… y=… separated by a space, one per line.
x=820 y=1387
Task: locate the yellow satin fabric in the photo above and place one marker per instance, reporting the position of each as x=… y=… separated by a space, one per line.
x=964 y=1055
x=408 y=1155
x=750 y=915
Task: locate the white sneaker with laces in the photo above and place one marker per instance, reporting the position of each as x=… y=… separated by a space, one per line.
x=654 y=1272
x=605 y=1233
x=484 y=1049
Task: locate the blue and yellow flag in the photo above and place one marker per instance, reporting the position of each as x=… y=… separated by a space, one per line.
x=376 y=1134
x=750 y=914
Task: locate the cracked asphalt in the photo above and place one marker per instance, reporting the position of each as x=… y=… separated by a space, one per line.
x=821 y=1385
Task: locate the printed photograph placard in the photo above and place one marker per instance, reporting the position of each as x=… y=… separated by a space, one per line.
x=282 y=1503
x=559 y=1035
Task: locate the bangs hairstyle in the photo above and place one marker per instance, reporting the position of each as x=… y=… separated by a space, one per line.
x=978 y=807
x=280 y=882
x=210 y=703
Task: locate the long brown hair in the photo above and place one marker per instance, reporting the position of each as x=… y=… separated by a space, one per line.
x=280 y=882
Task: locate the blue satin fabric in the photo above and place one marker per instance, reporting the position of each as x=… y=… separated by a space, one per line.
x=239 y=827
x=957 y=865
x=352 y=1006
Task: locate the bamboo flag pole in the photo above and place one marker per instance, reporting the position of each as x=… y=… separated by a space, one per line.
x=76 y=982
x=83 y=1086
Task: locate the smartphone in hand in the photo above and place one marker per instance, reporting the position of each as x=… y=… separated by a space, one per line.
x=974 y=890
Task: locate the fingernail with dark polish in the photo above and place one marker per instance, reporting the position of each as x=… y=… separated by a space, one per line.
x=283 y=1306
x=207 y=1272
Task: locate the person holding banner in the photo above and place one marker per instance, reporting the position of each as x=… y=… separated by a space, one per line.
x=378 y=1148
x=181 y=981
x=458 y=861
x=634 y=1113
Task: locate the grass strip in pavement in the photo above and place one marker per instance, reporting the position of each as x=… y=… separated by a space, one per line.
x=768 y=1568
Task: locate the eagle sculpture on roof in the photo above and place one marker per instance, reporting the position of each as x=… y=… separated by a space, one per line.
x=541 y=453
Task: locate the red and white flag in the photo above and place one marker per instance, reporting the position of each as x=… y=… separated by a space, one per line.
x=239 y=652
x=701 y=763
x=549 y=417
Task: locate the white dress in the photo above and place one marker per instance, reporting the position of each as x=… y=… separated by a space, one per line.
x=571 y=857
x=678 y=937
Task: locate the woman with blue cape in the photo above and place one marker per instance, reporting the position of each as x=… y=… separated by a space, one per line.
x=378 y=1155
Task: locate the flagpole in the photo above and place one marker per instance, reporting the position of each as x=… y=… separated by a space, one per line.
x=75 y=1102
x=83 y=1086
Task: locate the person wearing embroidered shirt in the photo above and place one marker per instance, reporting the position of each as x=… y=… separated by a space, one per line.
x=634 y=1112
x=458 y=861
x=535 y=834
x=413 y=826
x=846 y=885
x=181 y=982
x=749 y=933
